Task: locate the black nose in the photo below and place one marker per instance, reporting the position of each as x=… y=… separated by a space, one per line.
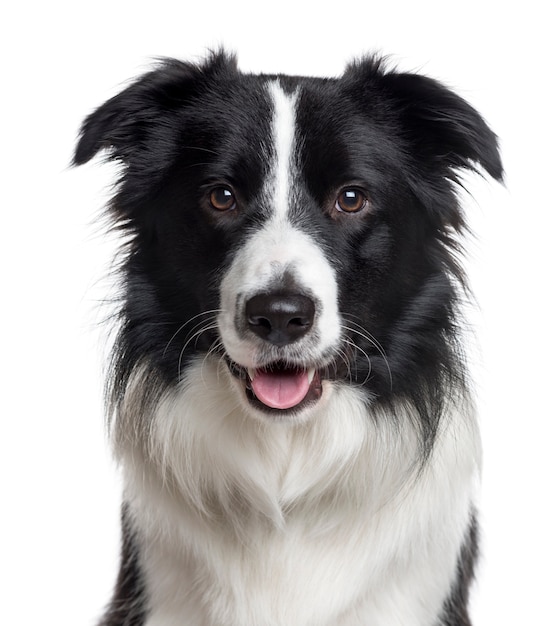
x=280 y=318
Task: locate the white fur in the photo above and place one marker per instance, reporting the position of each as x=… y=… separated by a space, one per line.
x=284 y=125
x=324 y=523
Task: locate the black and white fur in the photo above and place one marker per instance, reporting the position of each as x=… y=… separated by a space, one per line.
x=305 y=230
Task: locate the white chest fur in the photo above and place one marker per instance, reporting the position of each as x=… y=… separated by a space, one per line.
x=328 y=523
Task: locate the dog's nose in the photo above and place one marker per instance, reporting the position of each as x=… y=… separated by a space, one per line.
x=280 y=318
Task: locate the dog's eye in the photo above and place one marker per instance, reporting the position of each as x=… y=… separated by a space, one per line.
x=351 y=201
x=222 y=199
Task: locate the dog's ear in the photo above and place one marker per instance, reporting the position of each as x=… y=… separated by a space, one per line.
x=441 y=130
x=440 y=133
x=442 y=127
x=124 y=124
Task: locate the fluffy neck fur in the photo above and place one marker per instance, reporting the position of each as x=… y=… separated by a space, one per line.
x=257 y=509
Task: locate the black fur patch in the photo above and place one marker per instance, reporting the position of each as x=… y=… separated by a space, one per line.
x=455 y=612
x=127 y=607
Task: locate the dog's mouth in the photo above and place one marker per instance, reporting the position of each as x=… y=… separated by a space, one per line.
x=279 y=387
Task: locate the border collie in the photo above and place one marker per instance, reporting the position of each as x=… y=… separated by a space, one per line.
x=288 y=398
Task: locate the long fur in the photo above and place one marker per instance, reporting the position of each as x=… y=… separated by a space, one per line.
x=357 y=506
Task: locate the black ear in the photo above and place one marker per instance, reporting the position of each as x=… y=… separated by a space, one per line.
x=443 y=129
x=124 y=124
x=121 y=123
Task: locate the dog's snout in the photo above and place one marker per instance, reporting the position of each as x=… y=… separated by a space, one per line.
x=280 y=318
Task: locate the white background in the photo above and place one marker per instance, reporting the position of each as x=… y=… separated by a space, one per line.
x=59 y=488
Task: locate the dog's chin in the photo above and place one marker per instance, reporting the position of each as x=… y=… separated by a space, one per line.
x=278 y=391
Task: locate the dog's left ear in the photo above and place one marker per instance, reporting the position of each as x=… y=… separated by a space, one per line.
x=444 y=129
x=441 y=130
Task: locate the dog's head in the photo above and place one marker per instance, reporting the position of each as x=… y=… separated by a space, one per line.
x=301 y=229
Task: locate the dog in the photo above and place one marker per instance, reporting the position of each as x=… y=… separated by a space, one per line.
x=288 y=396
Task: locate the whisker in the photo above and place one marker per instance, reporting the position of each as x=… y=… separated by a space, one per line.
x=214 y=348
x=183 y=326
x=368 y=362
x=365 y=334
x=195 y=336
x=344 y=358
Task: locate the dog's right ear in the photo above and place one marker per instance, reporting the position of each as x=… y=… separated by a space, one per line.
x=123 y=125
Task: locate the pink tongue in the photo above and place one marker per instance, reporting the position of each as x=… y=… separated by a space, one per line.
x=281 y=389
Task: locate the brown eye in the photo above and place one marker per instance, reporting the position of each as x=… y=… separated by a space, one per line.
x=351 y=201
x=222 y=199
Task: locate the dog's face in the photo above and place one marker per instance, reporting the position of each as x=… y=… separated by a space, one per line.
x=298 y=229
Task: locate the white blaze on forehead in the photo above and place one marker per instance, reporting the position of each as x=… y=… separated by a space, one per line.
x=276 y=248
x=284 y=123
